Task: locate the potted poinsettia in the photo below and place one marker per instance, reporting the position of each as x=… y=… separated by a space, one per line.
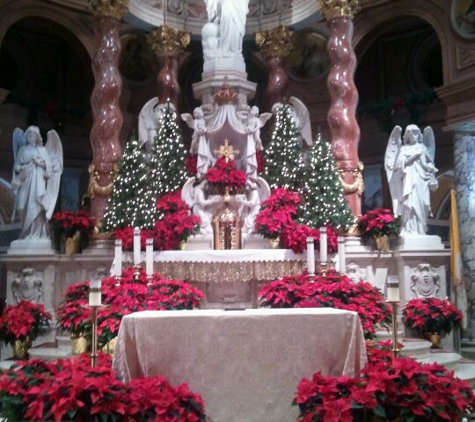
x=431 y=317
x=379 y=224
x=224 y=174
x=21 y=324
x=74 y=227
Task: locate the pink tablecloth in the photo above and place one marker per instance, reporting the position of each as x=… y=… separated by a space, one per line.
x=245 y=364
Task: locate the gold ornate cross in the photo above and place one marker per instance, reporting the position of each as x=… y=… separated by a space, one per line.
x=227 y=151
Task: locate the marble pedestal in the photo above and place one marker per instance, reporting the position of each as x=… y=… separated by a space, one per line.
x=31 y=247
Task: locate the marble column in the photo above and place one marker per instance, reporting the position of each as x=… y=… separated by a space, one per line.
x=106 y=112
x=168 y=44
x=345 y=132
x=275 y=45
x=464 y=175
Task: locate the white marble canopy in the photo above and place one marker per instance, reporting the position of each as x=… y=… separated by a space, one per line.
x=191 y=14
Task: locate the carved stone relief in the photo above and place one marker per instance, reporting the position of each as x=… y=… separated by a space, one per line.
x=28 y=286
x=425 y=281
x=354 y=272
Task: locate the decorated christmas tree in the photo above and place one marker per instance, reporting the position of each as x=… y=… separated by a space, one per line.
x=168 y=169
x=131 y=204
x=323 y=192
x=283 y=162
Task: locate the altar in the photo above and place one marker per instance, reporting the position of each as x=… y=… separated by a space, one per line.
x=245 y=364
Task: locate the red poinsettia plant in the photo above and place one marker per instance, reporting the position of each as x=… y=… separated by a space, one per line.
x=71 y=390
x=224 y=174
x=393 y=390
x=294 y=236
x=431 y=315
x=378 y=222
x=131 y=295
x=70 y=222
x=332 y=291
x=25 y=321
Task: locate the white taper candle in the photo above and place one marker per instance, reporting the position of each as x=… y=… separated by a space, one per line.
x=149 y=257
x=118 y=257
x=137 y=246
x=323 y=244
x=341 y=255
x=310 y=255
x=95 y=292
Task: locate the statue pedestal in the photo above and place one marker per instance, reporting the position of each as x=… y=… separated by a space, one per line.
x=31 y=247
x=420 y=242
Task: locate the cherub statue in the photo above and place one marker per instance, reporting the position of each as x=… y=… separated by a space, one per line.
x=249 y=206
x=410 y=169
x=254 y=124
x=199 y=143
x=36 y=177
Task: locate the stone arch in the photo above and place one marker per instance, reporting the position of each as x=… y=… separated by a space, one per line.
x=79 y=28
x=379 y=20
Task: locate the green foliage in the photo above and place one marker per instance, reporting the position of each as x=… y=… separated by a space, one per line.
x=323 y=192
x=168 y=173
x=283 y=162
x=131 y=203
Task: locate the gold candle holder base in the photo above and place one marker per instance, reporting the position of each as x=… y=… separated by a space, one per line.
x=395 y=349
x=324 y=267
x=137 y=272
x=118 y=279
x=149 y=279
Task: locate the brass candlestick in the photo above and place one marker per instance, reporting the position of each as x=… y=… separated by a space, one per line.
x=324 y=267
x=94 y=340
x=395 y=349
x=137 y=268
x=117 y=278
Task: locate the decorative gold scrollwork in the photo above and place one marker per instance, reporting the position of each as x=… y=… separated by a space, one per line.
x=166 y=41
x=331 y=9
x=275 y=42
x=94 y=188
x=109 y=8
x=358 y=182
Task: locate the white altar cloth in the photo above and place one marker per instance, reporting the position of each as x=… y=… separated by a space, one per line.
x=245 y=364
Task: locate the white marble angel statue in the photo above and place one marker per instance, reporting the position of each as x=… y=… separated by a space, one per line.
x=36 y=178
x=254 y=124
x=199 y=142
x=301 y=116
x=250 y=206
x=149 y=120
x=410 y=169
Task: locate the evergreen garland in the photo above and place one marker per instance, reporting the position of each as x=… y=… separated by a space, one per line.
x=283 y=163
x=131 y=204
x=323 y=192
x=168 y=170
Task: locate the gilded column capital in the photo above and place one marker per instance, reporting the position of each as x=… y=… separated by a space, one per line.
x=168 y=42
x=275 y=42
x=116 y=9
x=331 y=9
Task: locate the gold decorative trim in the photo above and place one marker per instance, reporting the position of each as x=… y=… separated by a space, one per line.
x=331 y=9
x=94 y=188
x=358 y=182
x=116 y=9
x=168 y=42
x=276 y=42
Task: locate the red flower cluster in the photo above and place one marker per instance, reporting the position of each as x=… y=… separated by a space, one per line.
x=130 y=296
x=26 y=320
x=378 y=222
x=294 y=236
x=191 y=163
x=403 y=390
x=332 y=291
x=224 y=174
x=277 y=213
x=69 y=222
x=431 y=315
x=176 y=225
x=72 y=390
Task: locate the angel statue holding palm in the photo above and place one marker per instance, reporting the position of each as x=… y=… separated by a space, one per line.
x=36 y=178
x=410 y=169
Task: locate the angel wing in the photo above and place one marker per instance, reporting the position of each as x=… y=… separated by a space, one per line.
x=187 y=192
x=54 y=148
x=429 y=142
x=263 y=117
x=390 y=157
x=18 y=140
x=146 y=120
x=188 y=118
x=303 y=116
x=263 y=189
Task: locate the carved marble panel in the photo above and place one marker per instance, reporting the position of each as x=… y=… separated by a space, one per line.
x=425 y=281
x=28 y=285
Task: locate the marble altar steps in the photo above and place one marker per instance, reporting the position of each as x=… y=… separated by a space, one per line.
x=420 y=350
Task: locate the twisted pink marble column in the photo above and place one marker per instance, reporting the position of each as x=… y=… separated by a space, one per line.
x=278 y=84
x=344 y=99
x=106 y=112
x=168 y=87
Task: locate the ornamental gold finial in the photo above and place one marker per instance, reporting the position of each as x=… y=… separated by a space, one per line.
x=166 y=41
x=276 y=42
x=331 y=9
x=109 y=8
x=227 y=151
